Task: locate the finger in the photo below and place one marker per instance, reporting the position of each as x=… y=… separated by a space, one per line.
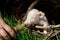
x=10 y=31
x=1 y=38
x=7 y=28
x=4 y=34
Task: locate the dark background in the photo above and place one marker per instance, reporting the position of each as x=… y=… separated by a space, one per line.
x=19 y=7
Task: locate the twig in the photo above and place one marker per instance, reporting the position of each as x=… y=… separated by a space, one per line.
x=32 y=5
x=50 y=26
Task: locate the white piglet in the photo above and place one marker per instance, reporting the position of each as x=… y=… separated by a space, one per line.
x=34 y=17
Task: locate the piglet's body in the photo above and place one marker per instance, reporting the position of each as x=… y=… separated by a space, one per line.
x=35 y=16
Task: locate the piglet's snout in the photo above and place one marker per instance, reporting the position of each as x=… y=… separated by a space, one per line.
x=27 y=22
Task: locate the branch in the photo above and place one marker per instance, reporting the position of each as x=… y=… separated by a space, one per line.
x=32 y=5
x=53 y=29
x=50 y=26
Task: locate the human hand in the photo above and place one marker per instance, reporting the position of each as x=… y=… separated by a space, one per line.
x=6 y=33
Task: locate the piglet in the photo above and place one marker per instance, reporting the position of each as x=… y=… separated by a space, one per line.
x=36 y=17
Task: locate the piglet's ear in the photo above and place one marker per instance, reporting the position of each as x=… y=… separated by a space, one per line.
x=41 y=14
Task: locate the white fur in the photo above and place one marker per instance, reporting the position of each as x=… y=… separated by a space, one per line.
x=36 y=17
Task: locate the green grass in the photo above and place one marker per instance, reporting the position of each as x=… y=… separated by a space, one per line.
x=23 y=34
